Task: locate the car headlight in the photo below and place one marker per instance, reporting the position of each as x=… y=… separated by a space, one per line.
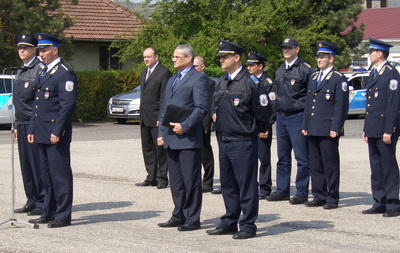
x=110 y=101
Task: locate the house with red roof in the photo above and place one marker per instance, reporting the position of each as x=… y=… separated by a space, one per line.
x=383 y=24
x=96 y=24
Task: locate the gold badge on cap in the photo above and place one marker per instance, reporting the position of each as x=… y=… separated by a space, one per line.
x=23 y=36
x=287 y=40
x=220 y=43
x=320 y=45
x=39 y=37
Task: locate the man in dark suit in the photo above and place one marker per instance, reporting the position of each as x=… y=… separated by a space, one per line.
x=324 y=115
x=255 y=66
x=152 y=88
x=188 y=90
x=207 y=155
x=51 y=128
x=23 y=97
x=381 y=131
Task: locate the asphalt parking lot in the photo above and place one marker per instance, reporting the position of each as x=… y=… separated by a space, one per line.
x=110 y=214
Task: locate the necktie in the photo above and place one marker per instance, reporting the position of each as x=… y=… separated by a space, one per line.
x=319 y=79
x=178 y=77
x=42 y=73
x=375 y=73
x=148 y=74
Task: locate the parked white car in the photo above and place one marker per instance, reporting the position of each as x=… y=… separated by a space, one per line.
x=6 y=106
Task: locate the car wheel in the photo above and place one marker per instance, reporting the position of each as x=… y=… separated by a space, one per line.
x=121 y=120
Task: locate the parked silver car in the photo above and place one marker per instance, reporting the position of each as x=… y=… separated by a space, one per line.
x=125 y=106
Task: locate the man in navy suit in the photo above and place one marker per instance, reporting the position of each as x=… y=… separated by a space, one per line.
x=183 y=140
x=381 y=131
x=51 y=129
x=324 y=115
x=152 y=88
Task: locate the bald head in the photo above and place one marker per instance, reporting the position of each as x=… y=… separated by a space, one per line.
x=199 y=63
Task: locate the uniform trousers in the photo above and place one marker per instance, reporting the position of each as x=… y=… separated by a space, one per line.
x=325 y=168
x=264 y=155
x=30 y=168
x=185 y=182
x=57 y=180
x=239 y=187
x=384 y=173
x=154 y=156
x=207 y=159
x=289 y=136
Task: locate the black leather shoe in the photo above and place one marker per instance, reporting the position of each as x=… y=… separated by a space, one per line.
x=170 y=224
x=58 y=224
x=297 y=199
x=220 y=231
x=40 y=220
x=263 y=195
x=146 y=183
x=330 y=206
x=243 y=235
x=391 y=213
x=372 y=210
x=315 y=203
x=24 y=209
x=34 y=211
x=217 y=191
x=188 y=227
x=161 y=186
x=207 y=188
x=277 y=197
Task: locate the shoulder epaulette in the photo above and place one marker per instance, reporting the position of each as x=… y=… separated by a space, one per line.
x=308 y=65
x=41 y=65
x=269 y=80
x=64 y=67
x=387 y=66
x=315 y=73
x=255 y=79
x=337 y=72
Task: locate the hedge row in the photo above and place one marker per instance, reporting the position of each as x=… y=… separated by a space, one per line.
x=95 y=89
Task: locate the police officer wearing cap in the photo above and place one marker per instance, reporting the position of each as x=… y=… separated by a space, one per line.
x=324 y=115
x=23 y=97
x=242 y=111
x=255 y=66
x=51 y=129
x=381 y=131
x=291 y=80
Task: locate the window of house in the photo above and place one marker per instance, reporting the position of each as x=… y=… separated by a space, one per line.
x=107 y=59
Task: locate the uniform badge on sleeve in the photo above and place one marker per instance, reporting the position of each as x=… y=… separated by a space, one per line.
x=69 y=86
x=393 y=84
x=236 y=102
x=292 y=82
x=26 y=85
x=344 y=86
x=272 y=96
x=263 y=100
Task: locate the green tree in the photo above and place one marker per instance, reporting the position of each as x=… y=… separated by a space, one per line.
x=30 y=16
x=258 y=25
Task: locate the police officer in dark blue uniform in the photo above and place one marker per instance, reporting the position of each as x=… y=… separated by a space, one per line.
x=381 y=130
x=291 y=80
x=255 y=66
x=324 y=115
x=23 y=97
x=51 y=129
x=242 y=111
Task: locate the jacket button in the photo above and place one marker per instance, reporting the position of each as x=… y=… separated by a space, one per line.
x=368 y=105
x=37 y=98
x=367 y=113
x=313 y=107
x=37 y=106
x=314 y=100
x=52 y=120
x=382 y=115
x=35 y=114
x=312 y=114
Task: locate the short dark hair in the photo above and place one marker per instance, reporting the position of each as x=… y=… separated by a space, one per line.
x=385 y=54
x=154 y=50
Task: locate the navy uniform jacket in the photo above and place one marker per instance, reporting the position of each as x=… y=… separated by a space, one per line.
x=242 y=106
x=291 y=86
x=383 y=103
x=326 y=107
x=190 y=92
x=24 y=90
x=54 y=104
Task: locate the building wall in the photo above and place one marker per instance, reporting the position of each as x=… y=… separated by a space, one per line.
x=86 y=56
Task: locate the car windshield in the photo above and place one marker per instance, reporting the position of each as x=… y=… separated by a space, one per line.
x=136 y=90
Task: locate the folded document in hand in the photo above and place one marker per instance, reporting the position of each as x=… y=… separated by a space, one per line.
x=175 y=114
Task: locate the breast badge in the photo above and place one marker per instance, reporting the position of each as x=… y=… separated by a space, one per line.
x=236 y=102
x=26 y=85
